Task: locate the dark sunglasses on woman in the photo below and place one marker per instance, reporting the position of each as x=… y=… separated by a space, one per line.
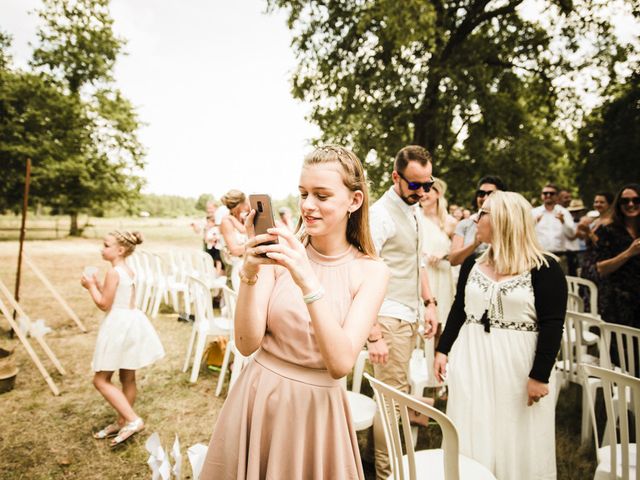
x=630 y=200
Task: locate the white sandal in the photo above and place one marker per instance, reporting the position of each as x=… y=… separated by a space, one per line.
x=128 y=431
x=109 y=431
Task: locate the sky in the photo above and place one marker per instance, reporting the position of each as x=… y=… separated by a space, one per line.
x=211 y=81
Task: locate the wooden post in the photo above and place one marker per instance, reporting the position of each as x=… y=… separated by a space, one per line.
x=25 y=204
x=34 y=357
x=65 y=306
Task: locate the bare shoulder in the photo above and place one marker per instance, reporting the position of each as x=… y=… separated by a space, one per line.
x=372 y=267
x=112 y=276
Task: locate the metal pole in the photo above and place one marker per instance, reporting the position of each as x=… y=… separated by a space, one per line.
x=25 y=204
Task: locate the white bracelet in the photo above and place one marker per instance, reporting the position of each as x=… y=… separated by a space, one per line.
x=313 y=296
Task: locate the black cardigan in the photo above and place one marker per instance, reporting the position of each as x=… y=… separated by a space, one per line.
x=550 y=292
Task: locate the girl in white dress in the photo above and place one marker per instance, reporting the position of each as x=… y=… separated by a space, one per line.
x=126 y=340
x=506 y=322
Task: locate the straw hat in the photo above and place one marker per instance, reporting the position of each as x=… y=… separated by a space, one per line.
x=576 y=205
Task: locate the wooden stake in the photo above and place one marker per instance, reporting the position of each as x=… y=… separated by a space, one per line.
x=54 y=292
x=16 y=306
x=34 y=357
x=25 y=205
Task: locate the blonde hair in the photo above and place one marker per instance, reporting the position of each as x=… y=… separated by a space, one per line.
x=353 y=177
x=127 y=240
x=514 y=245
x=233 y=198
x=440 y=186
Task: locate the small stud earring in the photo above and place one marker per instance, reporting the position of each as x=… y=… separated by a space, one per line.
x=348 y=214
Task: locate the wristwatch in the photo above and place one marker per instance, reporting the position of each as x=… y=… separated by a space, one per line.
x=431 y=300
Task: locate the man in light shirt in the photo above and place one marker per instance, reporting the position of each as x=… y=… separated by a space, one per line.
x=554 y=224
x=397 y=238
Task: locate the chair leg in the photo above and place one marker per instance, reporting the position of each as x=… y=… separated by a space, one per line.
x=585 y=424
x=156 y=302
x=192 y=339
x=197 y=360
x=174 y=300
x=187 y=303
x=224 y=368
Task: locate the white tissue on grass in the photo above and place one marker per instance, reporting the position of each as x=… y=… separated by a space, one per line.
x=197 y=454
x=158 y=460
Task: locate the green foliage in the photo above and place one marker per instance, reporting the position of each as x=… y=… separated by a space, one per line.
x=201 y=203
x=471 y=80
x=79 y=131
x=167 y=206
x=77 y=42
x=609 y=142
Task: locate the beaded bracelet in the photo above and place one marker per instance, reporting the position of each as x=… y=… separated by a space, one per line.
x=313 y=296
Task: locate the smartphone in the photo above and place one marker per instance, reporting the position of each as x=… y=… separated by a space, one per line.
x=263 y=220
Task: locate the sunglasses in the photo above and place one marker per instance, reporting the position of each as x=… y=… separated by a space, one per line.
x=483 y=193
x=549 y=194
x=426 y=186
x=629 y=200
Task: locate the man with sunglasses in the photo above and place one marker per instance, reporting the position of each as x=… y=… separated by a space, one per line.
x=554 y=224
x=465 y=241
x=397 y=238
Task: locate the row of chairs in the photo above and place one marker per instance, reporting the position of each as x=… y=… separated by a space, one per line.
x=617 y=454
x=164 y=278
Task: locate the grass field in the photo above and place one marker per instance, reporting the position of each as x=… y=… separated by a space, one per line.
x=47 y=437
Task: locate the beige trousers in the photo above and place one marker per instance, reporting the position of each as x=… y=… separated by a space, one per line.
x=400 y=338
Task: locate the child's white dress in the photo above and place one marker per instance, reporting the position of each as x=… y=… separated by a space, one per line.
x=126 y=338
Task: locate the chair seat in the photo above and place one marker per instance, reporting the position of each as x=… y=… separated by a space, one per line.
x=215 y=324
x=604 y=465
x=363 y=409
x=432 y=461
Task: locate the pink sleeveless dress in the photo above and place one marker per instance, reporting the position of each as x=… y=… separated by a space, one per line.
x=286 y=417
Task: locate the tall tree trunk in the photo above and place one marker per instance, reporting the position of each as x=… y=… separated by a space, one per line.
x=74 y=231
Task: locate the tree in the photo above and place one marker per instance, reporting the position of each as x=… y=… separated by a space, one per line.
x=471 y=80
x=78 y=49
x=37 y=121
x=203 y=199
x=609 y=142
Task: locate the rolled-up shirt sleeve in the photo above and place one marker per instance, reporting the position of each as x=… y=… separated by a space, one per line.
x=381 y=225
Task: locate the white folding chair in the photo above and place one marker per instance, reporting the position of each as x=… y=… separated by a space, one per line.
x=626 y=341
x=160 y=290
x=574 y=284
x=135 y=262
x=205 y=325
x=228 y=310
x=363 y=408
x=176 y=280
x=619 y=459
x=445 y=463
x=572 y=353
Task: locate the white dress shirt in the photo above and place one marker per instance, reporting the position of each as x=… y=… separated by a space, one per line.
x=553 y=234
x=383 y=228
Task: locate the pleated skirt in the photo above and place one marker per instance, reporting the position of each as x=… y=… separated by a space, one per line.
x=283 y=421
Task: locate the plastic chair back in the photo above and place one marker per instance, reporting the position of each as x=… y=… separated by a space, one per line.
x=620 y=391
x=391 y=400
x=625 y=340
x=574 y=284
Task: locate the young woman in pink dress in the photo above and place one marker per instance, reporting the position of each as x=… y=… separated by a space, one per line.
x=305 y=310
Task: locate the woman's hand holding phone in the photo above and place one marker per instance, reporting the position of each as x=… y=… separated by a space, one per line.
x=253 y=257
x=290 y=253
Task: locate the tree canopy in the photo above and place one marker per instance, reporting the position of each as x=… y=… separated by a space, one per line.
x=474 y=81
x=66 y=114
